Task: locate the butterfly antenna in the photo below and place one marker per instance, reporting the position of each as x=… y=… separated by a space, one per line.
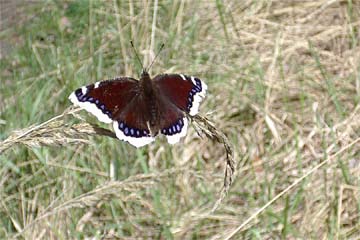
x=136 y=54
x=161 y=47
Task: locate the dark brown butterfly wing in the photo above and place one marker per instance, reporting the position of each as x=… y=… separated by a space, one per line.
x=107 y=98
x=186 y=92
x=179 y=94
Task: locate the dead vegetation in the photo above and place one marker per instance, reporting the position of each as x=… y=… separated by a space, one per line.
x=284 y=89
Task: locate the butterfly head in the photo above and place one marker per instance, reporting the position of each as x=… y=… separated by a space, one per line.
x=145 y=78
x=145 y=74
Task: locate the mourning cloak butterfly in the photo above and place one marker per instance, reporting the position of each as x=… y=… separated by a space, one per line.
x=140 y=110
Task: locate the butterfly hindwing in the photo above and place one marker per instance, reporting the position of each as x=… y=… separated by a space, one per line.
x=172 y=120
x=139 y=124
x=175 y=130
x=132 y=124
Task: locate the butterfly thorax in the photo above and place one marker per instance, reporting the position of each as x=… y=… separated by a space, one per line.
x=145 y=84
x=149 y=96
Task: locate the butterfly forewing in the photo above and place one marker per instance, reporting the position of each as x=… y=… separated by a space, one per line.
x=106 y=98
x=184 y=91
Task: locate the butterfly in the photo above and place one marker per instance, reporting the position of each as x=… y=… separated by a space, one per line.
x=141 y=109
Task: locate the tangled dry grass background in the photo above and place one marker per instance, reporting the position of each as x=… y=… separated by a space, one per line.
x=284 y=88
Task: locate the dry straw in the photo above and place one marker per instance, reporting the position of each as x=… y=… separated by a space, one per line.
x=56 y=132
x=109 y=190
x=288 y=97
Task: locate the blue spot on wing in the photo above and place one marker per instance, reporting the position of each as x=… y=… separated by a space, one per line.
x=173 y=129
x=195 y=89
x=131 y=131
